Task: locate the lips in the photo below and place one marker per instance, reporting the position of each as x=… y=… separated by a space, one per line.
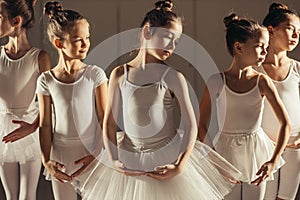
x=293 y=42
x=261 y=59
x=82 y=51
x=167 y=53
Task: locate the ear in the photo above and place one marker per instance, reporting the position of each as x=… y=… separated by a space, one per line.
x=270 y=30
x=58 y=43
x=238 y=47
x=147 y=32
x=16 y=21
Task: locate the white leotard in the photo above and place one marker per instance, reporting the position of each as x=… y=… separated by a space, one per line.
x=76 y=124
x=241 y=139
x=288 y=90
x=17 y=102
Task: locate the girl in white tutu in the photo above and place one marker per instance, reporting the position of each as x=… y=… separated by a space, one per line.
x=152 y=160
x=77 y=93
x=238 y=94
x=284 y=28
x=20 y=66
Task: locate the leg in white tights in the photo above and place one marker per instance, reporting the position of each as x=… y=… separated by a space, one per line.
x=272 y=188
x=29 y=177
x=63 y=191
x=20 y=180
x=9 y=173
x=251 y=192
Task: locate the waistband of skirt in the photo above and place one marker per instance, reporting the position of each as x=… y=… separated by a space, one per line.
x=19 y=111
x=60 y=140
x=241 y=133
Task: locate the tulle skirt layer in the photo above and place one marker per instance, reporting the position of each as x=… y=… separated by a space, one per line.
x=206 y=175
x=247 y=152
x=24 y=149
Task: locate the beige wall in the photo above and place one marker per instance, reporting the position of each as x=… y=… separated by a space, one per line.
x=203 y=22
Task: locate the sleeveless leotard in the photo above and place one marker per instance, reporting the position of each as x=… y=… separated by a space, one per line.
x=241 y=139
x=288 y=90
x=151 y=139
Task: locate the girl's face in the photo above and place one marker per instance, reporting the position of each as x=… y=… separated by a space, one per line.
x=286 y=35
x=5 y=25
x=164 y=40
x=255 y=49
x=77 y=42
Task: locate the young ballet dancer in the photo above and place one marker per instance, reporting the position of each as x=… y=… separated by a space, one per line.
x=238 y=94
x=152 y=160
x=20 y=66
x=77 y=93
x=283 y=25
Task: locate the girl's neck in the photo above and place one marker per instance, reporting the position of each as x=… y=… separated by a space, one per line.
x=69 y=66
x=237 y=69
x=276 y=58
x=17 y=44
x=142 y=59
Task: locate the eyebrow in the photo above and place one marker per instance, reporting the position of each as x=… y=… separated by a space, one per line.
x=175 y=34
x=293 y=25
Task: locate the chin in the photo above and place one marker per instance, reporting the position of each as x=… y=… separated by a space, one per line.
x=82 y=56
x=163 y=58
x=291 y=48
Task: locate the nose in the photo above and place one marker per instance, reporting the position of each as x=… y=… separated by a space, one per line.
x=264 y=51
x=171 y=45
x=84 y=43
x=295 y=34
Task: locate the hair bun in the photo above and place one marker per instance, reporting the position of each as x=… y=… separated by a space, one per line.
x=230 y=19
x=166 y=5
x=277 y=6
x=52 y=7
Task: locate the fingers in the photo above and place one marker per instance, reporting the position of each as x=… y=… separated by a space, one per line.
x=58 y=174
x=294 y=145
x=81 y=160
x=261 y=178
x=128 y=172
x=258 y=180
x=17 y=122
x=233 y=181
x=59 y=165
x=62 y=177
x=156 y=175
x=23 y=130
x=12 y=137
x=165 y=167
x=78 y=172
x=119 y=164
x=85 y=160
x=132 y=173
x=260 y=170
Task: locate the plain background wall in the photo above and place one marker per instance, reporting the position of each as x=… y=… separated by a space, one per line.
x=203 y=21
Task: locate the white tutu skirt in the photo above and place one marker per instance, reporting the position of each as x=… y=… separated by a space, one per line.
x=205 y=176
x=247 y=152
x=22 y=150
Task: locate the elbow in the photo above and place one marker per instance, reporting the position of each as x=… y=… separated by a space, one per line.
x=286 y=125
